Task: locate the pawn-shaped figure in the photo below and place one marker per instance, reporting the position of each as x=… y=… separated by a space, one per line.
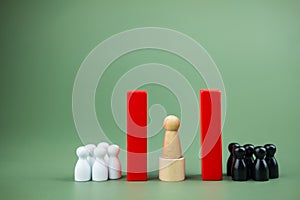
x=239 y=170
x=91 y=158
x=230 y=160
x=100 y=169
x=171 y=147
x=233 y=155
x=104 y=145
x=171 y=163
x=260 y=169
x=114 y=164
x=271 y=161
x=249 y=159
x=82 y=170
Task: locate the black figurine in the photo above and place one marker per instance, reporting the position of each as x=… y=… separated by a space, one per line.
x=260 y=169
x=239 y=170
x=230 y=160
x=249 y=159
x=271 y=160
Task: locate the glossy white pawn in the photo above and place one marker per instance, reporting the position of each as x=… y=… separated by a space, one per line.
x=82 y=170
x=100 y=169
x=114 y=165
x=104 y=145
x=91 y=158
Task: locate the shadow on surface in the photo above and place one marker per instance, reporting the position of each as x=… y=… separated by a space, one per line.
x=64 y=179
x=198 y=177
x=151 y=177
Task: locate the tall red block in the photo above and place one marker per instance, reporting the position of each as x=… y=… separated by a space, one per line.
x=137 y=135
x=211 y=134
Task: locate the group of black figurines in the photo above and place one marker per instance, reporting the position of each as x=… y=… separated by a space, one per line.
x=242 y=166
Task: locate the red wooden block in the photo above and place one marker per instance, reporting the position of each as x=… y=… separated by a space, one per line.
x=137 y=135
x=211 y=134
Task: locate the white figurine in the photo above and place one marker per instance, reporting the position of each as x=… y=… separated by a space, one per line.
x=100 y=169
x=114 y=164
x=104 y=145
x=82 y=170
x=91 y=157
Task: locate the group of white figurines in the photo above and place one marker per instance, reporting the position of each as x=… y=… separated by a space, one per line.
x=98 y=163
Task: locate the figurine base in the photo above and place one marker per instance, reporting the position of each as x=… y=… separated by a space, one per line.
x=171 y=169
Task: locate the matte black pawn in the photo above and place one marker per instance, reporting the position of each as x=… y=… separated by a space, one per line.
x=271 y=160
x=239 y=170
x=249 y=160
x=231 y=157
x=261 y=169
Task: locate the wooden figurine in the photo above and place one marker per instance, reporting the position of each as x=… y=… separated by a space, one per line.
x=171 y=163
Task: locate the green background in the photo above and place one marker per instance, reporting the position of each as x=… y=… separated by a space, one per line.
x=255 y=45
